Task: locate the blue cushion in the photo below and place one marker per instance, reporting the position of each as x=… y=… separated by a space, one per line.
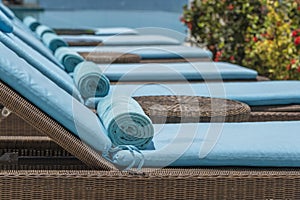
x=51 y=99
x=57 y=75
x=115 y=31
x=121 y=40
x=152 y=52
x=176 y=71
x=36 y=44
x=254 y=93
x=7 y=11
x=229 y=144
x=5 y=24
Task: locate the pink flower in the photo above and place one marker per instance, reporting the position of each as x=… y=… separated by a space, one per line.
x=231 y=58
x=288 y=67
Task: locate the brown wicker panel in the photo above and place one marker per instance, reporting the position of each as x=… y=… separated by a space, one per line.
x=31 y=146
x=276 y=108
x=15 y=126
x=71 y=31
x=274 y=116
x=84 y=43
x=110 y=57
x=185 y=109
x=45 y=124
x=175 y=60
x=211 y=183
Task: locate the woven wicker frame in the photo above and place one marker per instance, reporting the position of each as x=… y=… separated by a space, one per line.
x=110 y=57
x=109 y=183
x=181 y=109
x=66 y=31
x=84 y=43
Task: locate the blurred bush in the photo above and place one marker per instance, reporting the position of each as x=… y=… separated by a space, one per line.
x=259 y=34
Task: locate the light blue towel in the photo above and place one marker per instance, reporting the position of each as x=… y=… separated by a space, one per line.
x=7 y=11
x=42 y=29
x=53 y=41
x=68 y=58
x=124 y=40
x=264 y=144
x=5 y=24
x=41 y=63
x=51 y=99
x=177 y=71
x=125 y=121
x=152 y=52
x=31 y=23
x=90 y=80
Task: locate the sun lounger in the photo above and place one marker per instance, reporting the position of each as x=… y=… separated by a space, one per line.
x=96 y=31
x=200 y=182
x=158 y=53
x=177 y=72
x=120 y=40
x=33 y=23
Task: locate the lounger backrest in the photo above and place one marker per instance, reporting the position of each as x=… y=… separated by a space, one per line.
x=46 y=67
x=24 y=34
x=54 y=101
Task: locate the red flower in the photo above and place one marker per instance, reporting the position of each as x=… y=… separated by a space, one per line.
x=231 y=58
x=255 y=39
x=218 y=54
x=298 y=8
x=189 y=25
x=295 y=33
x=298 y=69
x=288 y=67
x=230 y=7
x=293 y=61
x=297 y=41
x=182 y=19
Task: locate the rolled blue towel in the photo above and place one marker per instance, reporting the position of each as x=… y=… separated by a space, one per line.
x=125 y=121
x=68 y=58
x=53 y=41
x=42 y=29
x=31 y=23
x=5 y=24
x=90 y=81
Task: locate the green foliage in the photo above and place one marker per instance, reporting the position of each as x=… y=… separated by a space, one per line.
x=260 y=34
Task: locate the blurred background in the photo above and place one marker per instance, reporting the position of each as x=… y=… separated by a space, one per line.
x=103 y=13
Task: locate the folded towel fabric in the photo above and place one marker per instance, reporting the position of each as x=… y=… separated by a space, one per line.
x=90 y=80
x=42 y=29
x=31 y=22
x=5 y=24
x=53 y=41
x=125 y=121
x=68 y=58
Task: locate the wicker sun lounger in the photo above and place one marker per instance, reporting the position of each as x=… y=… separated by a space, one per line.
x=100 y=179
x=96 y=31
